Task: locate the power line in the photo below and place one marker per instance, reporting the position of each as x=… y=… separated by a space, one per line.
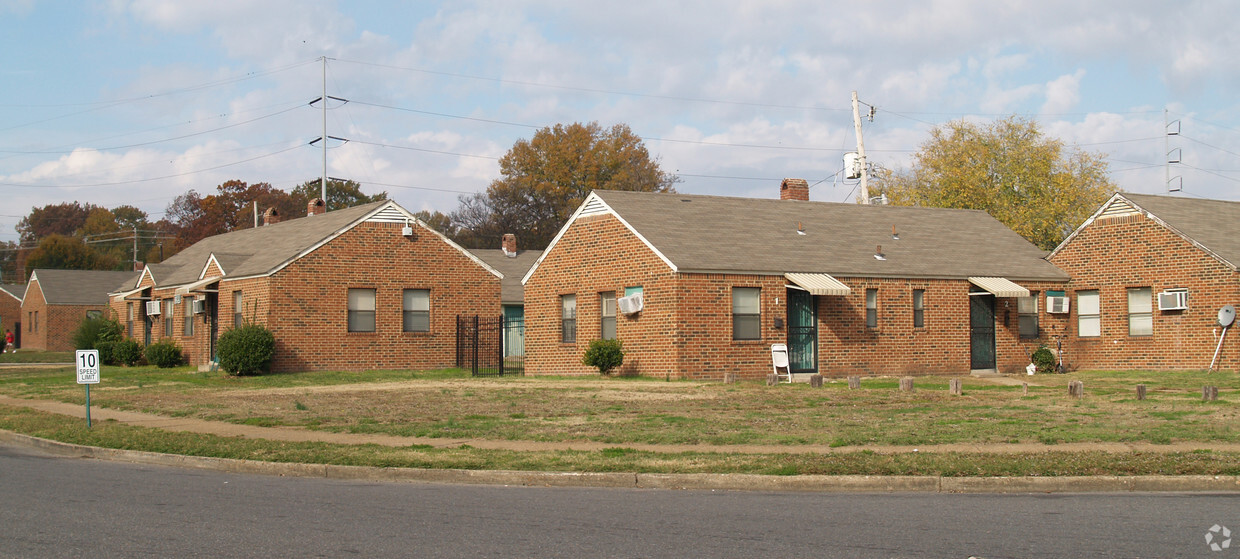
x=135 y=181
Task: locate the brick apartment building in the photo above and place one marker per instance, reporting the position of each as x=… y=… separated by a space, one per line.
x=11 y=310
x=1149 y=274
x=56 y=302
x=366 y=287
x=850 y=289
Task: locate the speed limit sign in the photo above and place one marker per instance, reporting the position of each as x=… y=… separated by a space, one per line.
x=88 y=366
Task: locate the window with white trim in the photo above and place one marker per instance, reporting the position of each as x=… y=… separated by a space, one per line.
x=1140 y=311
x=746 y=313
x=871 y=308
x=1027 y=311
x=1088 y=314
x=607 y=306
x=170 y=307
x=568 y=319
x=416 y=316
x=361 y=310
x=188 y=319
x=238 y=309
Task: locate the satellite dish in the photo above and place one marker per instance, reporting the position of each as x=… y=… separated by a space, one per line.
x=1226 y=315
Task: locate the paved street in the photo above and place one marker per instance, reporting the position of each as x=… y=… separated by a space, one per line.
x=70 y=507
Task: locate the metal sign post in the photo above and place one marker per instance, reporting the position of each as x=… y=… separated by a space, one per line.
x=88 y=374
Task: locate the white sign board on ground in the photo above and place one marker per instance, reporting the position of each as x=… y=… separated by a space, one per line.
x=88 y=366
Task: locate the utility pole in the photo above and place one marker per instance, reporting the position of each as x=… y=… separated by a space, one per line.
x=865 y=172
x=1168 y=133
x=323 y=183
x=135 y=248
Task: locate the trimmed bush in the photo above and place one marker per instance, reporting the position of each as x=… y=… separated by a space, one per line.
x=246 y=350
x=127 y=352
x=1044 y=359
x=106 y=351
x=604 y=355
x=164 y=354
x=91 y=331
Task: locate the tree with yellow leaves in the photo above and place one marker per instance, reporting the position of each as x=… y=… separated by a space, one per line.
x=1035 y=185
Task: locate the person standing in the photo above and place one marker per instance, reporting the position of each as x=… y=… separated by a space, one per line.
x=8 y=342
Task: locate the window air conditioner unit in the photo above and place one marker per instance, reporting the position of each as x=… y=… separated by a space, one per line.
x=1057 y=305
x=200 y=306
x=152 y=308
x=1173 y=300
x=631 y=304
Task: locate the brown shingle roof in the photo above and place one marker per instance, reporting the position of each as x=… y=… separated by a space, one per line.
x=1215 y=224
x=511 y=290
x=15 y=290
x=745 y=235
x=257 y=251
x=80 y=287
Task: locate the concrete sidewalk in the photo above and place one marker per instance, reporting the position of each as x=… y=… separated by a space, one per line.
x=631 y=480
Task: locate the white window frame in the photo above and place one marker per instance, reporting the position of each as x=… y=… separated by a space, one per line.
x=362 y=302
x=1140 y=311
x=1088 y=313
x=1027 y=315
x=568 y=318
x=607 y=315
x=746 y=313
x=416 y=310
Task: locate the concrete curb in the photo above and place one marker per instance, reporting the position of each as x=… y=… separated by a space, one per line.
x=721 y=482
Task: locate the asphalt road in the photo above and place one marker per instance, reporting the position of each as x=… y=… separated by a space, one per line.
x=52 y=506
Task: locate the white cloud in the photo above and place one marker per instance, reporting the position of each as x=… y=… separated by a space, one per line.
x=1063 y=93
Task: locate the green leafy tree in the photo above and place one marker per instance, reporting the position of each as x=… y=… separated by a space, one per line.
x=66 y=218
x=340 y=194
x=546 y=177
x=1035 y=185
x=68 y=253
x=438 y=221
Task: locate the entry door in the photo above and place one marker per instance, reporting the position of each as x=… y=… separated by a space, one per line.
x=213 y=311
x=982 y=330
x=802 y=332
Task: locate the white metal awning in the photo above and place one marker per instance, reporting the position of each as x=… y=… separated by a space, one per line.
x=124 y=295
x=818 y=284
x=196 y=286
x=1000 y=287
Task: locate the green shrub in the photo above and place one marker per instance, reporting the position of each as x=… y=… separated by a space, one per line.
x=127 y=352
x=107 y=355
x=604 y=355
x=246 y=350
x=94 y=330
x=1044 y=359
x=164 y=354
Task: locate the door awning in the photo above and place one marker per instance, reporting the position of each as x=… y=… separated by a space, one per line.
x=128 y=295
x=818 y=284
x=1000 y=287
x=186 y=289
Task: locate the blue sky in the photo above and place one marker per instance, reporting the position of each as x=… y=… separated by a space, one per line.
x=138 y=101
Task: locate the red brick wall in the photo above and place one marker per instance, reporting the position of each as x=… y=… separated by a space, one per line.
x=10 y=314
x=598 y=254
x=686 y=327
x=308 y=301
x=56 y=323
x=1111 y=255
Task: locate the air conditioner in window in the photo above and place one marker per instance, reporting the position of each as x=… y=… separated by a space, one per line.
x=152 y=308
x=1057 y=305
x=631 y=304
x=200 y=306
x=1173 y=300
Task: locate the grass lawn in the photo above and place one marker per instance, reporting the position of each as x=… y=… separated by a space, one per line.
x=37 y=356
x=624 y=411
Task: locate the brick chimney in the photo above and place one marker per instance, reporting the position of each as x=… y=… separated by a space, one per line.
x=509 y=244
x=316 y=207
x=271 y=216
x=794 y=189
